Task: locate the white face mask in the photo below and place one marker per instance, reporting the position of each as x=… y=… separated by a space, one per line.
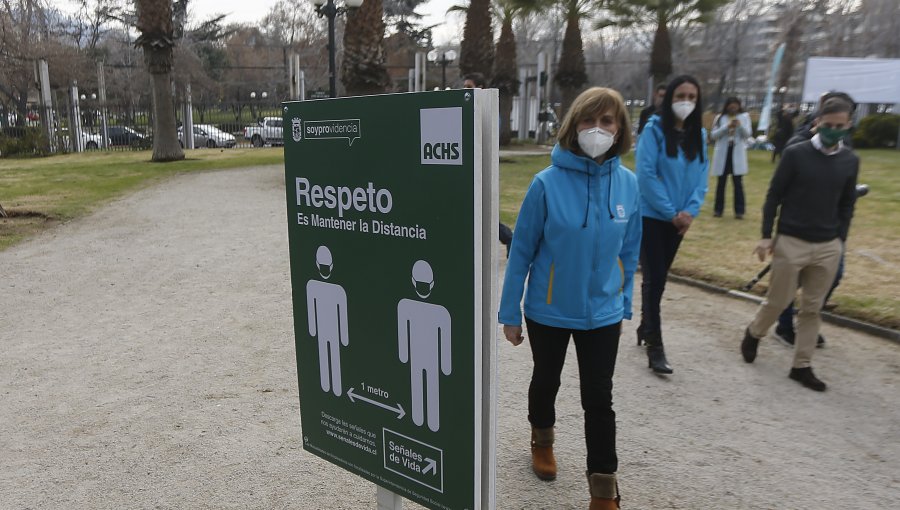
x=682 y=109
x=595 y=141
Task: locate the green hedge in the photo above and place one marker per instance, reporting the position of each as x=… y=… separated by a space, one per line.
x=877 y=131
x=23 y=141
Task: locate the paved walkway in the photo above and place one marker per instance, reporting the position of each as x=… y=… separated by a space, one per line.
x=148 y=362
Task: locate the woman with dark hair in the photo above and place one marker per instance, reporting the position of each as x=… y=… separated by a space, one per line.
x=671 y=166
x=730 y=131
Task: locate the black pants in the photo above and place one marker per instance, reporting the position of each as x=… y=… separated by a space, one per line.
x=659 y=244
x=597 y=350
x=737 y=180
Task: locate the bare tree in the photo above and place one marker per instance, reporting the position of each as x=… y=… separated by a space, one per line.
x=24 y=32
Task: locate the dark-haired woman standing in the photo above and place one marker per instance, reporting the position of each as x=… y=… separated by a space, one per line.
x=672 y=168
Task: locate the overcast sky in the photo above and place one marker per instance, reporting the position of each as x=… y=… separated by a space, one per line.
x=253 y=10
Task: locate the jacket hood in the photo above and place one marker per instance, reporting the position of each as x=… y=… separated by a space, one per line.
x=568 y=160
x=564 y=158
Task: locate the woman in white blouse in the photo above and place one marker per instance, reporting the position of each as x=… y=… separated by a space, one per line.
x=730 y=132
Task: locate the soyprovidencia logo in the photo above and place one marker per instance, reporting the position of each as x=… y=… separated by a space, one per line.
x=349 y=129
x=441 y=136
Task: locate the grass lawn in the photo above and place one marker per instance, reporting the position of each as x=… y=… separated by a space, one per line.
x=41 y=192
x=719 y=250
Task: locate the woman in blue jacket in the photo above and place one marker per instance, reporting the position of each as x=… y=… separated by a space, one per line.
x=671 y=166
x=577 y=241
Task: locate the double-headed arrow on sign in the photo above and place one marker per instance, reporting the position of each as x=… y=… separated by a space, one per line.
x=399 y=409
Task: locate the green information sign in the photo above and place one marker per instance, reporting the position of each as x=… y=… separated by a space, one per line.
x=392 y=222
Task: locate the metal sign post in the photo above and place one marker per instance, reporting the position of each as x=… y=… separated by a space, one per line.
x=392 y=228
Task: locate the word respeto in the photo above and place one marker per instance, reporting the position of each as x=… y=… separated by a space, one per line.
x=343 y=198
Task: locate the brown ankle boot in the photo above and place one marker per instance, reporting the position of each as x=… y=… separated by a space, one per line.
x=604 y=491
x=542 y=461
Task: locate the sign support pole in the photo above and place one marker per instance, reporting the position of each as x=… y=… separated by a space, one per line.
x=387 y=500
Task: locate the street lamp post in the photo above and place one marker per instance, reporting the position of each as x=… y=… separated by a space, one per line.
x=328 y=9
x=446 y=58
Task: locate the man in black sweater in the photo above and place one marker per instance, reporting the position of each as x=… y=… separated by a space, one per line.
x=784 y=332
x=812 y=194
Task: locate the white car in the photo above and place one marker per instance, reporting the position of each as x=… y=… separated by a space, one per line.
x=91 y=141
x=206 y=135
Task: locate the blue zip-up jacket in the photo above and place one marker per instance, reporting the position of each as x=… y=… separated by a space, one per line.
x=668 y=185
x=577 y=240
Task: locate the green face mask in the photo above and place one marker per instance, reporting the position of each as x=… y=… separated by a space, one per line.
x=830 y=136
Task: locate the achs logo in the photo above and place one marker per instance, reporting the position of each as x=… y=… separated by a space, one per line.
x=620 y=211
x=296 y=129
x=441 y=136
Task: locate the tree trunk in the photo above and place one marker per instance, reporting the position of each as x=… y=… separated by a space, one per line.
x=362 y=67
x=661 y=55
x=506 y=106
x=165 y=134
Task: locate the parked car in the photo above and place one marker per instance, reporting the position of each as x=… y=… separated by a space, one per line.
x=123 y=135
x=208 y=136
x=268 y=131
x=89 y=141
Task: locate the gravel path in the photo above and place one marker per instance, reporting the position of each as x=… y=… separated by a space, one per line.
x=148 y=362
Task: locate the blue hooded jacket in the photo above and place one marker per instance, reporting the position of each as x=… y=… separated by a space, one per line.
x=577 y=240
x=668 y=185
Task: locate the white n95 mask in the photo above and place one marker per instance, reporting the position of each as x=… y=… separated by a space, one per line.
x=682 y=109
x=595 y=141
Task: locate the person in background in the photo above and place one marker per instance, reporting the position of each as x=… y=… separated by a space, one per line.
x=477 y=81
x=784 y=129
x=576 y=244
x=730 y=131
x=672 y=170
x=658 y=95
x=784 y=331
x=812 y=193
x=474 y=81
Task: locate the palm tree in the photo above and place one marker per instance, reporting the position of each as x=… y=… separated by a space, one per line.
x=505 y=72
x=157 y=39
x=571 y=74
x=626 y=13
x=476 y=50
x=362 y=68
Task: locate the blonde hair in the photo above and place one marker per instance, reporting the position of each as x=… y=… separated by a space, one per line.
x=590 y=104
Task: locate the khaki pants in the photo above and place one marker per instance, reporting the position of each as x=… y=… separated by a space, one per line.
x=812 y=266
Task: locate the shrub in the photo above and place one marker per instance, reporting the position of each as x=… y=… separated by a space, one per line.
x=879 y=130
x=22 y=141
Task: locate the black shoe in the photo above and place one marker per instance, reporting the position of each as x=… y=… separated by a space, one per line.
x=738 y=216
x=717 y=215
x=806 y=377
x=785 y=336
x=820 y=342
x=656 y=359
x=749 y=346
